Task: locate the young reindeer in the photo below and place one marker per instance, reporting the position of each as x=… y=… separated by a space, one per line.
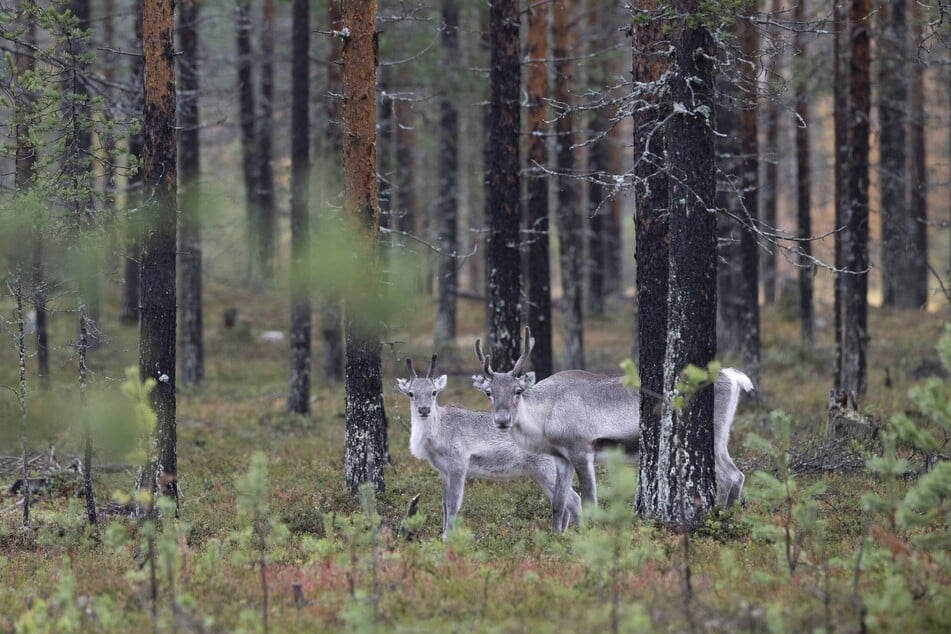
x=460 y=443
x=573 y=414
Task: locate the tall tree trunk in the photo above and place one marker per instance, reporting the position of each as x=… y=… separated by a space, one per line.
x=897 y=245
x=267 y=204
x=918 y=279
x=331 y=321
x=78 y=167
x=537 y=222
x=597 y=79
x=448 y=271
x=841 y=141
x=298 y=392
x=366 y=450
x=129 y=311
x=503 y=289
x=684 y=477
x=613 y=259
x=650 y=53
x=856 y=287
x=189 y=248
x=749 y=248
x=25 y=171
x=157 y=323
x=249 y=150
x=770 y=188
x=805 y=264
x=567 y=213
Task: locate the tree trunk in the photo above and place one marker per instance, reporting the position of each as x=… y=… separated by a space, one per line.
x=78 y=167
x=805 y=265
x=298 y=392
x=897 y=244
x=856 y=286
x=331 y=321
x=918 y=279
x=749 y=248
x=267 y=204
x=770 y=188
x=249 y=150
x=366 y=450
x=683 y=480
x=536 y=230
x=598 y=123
x=841 y=141
x=189 y=248
x=448 y=190
x=129 y=312
x=503 y=289
x=157 y=323
x=650 y=63
x=568 y=213
x=25 y=172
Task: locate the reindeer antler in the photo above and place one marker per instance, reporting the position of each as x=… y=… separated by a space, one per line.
x=432 y=368
x=484 y=360
x=409 y=364
x=529 y=346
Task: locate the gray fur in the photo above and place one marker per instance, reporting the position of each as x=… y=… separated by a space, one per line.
x=572 y=414
x=461 y=444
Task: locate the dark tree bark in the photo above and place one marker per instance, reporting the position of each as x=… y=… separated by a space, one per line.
x=250 y=162
x=856 y=284
x=448 y=269
x=568 y=213
x=918 y=278
x=298 y=392
x=682 y=483
x=25 y=170
x=189 y=236
x=597 y=209
x=650 y=64
x=749 y=248
x=536 y=203
x=78 y=167
x=366 y=447
x=770 y=186
x=502 y=208
x=157 y=323
x=267 y=203
x=803 y=191
x=840 y=113
x=129 y=312
x=331 y=321
x=897 y=243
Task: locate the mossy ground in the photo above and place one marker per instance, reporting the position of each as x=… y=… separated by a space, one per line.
x=504 y=572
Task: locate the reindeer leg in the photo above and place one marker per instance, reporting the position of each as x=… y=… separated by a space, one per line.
x=454 y=492
x=584 y=465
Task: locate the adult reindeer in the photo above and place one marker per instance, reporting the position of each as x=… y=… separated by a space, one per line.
x=573 y=414
x=460 y=444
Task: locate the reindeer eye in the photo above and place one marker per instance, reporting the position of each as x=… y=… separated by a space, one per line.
x=488 y=393
x=518 y=391
x=410 y=394
x=434 y=392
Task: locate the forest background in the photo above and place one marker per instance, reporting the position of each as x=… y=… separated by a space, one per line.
x=845 y=526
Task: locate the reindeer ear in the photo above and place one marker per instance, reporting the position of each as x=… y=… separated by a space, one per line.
x=479 y=382
x=527 y=380
x=402 y=385
x=440 y=382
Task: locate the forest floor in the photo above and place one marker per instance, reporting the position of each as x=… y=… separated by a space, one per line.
x=813 y=558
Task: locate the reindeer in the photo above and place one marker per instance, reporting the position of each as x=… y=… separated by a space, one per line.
x=574 y=414
x=460 y=443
